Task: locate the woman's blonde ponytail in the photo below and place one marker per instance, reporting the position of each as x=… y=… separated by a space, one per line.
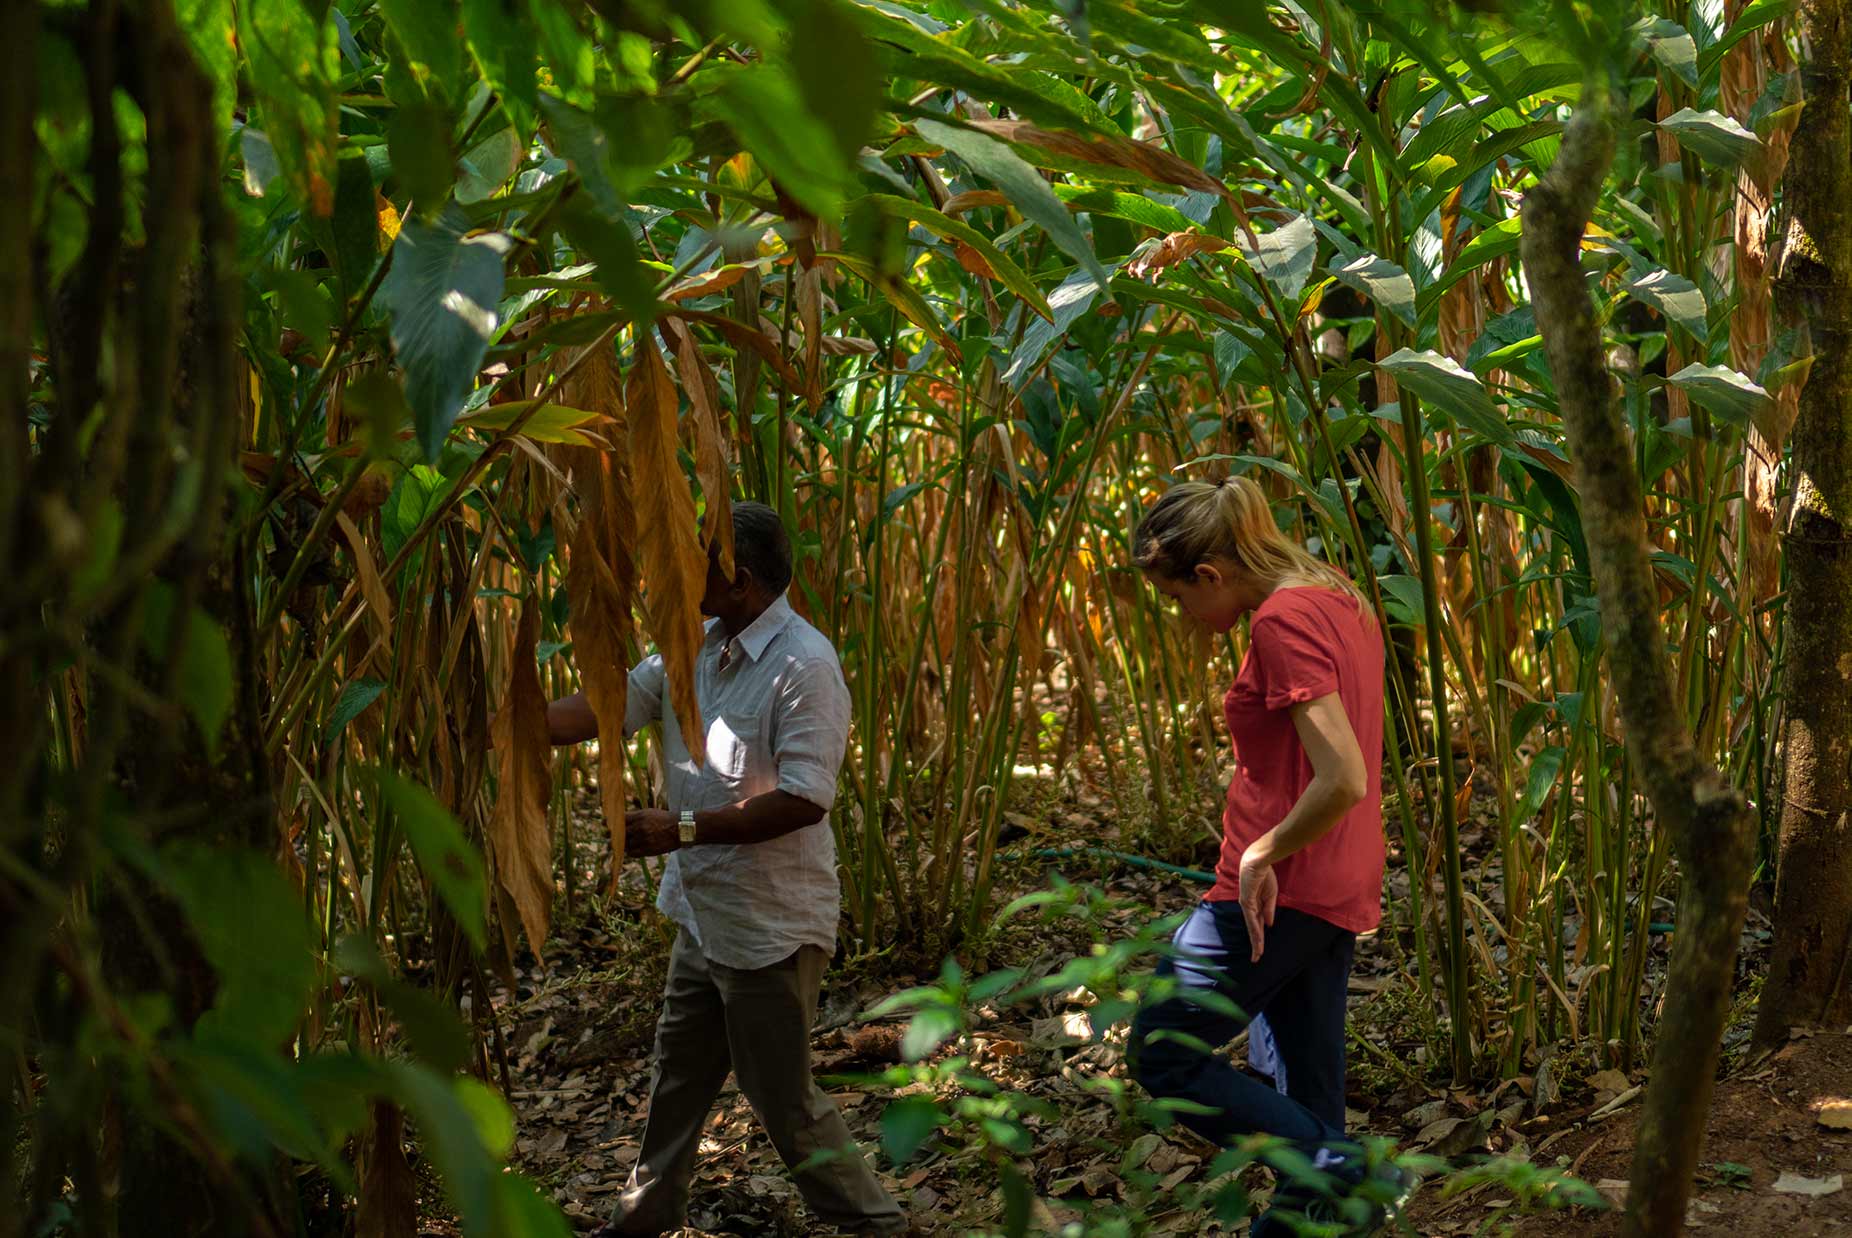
x=1229 y=518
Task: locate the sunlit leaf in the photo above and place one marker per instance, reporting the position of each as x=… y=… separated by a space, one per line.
x=1284 y=256
x=442 y=294
x=1383 y=282
x=1674 y=296
x=1730 y=395
x=1442 y=382
x=1713 y=137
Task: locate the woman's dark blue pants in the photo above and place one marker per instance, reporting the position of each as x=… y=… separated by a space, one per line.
x=1299 y=983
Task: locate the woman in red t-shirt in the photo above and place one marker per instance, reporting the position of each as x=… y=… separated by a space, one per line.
x=1301 y=868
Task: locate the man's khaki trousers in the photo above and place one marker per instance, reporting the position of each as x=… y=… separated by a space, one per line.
x=756 y=1023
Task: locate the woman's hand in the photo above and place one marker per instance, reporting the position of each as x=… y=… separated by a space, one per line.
x=1260 y=895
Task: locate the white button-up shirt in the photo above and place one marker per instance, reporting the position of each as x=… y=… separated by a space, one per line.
x=777 y=718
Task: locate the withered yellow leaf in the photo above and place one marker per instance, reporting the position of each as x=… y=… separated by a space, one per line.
x=674 y=566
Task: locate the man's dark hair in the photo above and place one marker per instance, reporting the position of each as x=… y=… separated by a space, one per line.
x=761 y=546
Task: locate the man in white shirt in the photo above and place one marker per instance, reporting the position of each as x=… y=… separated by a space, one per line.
x=751 y=881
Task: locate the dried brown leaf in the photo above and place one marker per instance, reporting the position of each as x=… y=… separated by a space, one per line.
x=973 y=261
x=713 y=467
x=674 y=567
x=1141 y=157
x=970 y=200
x=600 y=623
x=601 y=578
x=520 y=836
x=743 y=335
x=1177 y=248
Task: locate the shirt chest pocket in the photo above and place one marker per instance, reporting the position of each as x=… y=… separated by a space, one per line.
x=734 y=748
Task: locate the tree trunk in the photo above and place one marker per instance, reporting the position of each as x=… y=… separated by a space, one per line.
x=1808 y=973
x=139 y=341
x=1707 y=819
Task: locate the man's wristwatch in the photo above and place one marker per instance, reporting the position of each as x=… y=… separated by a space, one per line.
x=685 y=827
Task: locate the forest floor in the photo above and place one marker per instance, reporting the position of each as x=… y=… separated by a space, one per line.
x=579 y=1031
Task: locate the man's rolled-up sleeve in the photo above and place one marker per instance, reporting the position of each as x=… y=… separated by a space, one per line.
x=643 y=700
x=812 y=730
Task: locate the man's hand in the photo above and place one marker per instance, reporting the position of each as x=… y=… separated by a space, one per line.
x=1260 y=895
x=650 y=831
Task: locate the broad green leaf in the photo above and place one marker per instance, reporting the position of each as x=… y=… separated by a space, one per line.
x=1499 y=240
x=250 y=925
x=418 y=136
x=1755 y=15
x=903 y=296
x=1403 y=598
x=521 y=1210
x=503 y=40
x=444 y=855
x=255 y=1099
x=1713 y=137
x=1730 y=395
x=763 y=106
x=453 y=1139
x=607 y=241
x=943 y=225
x=261 y=168
x=1671 y=45
x=430 y=31
x=352 y=702
x=1383 y=282
x=906 y=1124
x=1072 y=298
x=1284 y=256
x=487 y=165
x=493 y=1119
x=355 y=226
x=1544 y=768
x=1676 y=297
x=1455 y=391
x=1132 y=207
x=928 y=1030
x=442 y=292
x=569 y=52
x=204 y=677
x=437 y=1035
x=210 y=30
x=938 y=59
x=292 y=62
x=1506 y=339
x=839 y=72
x=1022 y=185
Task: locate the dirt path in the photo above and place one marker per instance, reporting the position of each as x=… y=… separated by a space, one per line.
x=580 y=1031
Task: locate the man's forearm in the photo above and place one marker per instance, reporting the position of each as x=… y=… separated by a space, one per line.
x=570 y=720
x=756 y=820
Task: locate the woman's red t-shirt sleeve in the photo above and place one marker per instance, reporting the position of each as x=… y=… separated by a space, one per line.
x=1292 y=664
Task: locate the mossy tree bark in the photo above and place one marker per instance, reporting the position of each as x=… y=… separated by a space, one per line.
x=1707 y=819
x=1810 y=971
